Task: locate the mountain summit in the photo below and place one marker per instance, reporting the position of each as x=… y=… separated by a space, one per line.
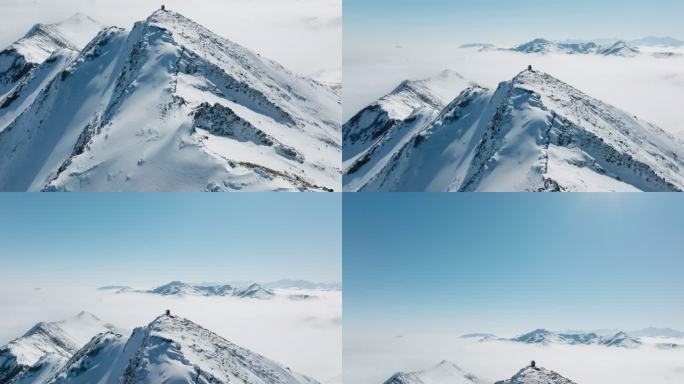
x=170 y=106
x=533 y=133
x=536 y=375
x=171 y=349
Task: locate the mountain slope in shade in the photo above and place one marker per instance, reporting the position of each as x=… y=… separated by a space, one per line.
x=442 y=373
x=171 y=106
x=533 y=133
x=536 y=375
x=171 y=350
x=37 y=354
x=376 y=133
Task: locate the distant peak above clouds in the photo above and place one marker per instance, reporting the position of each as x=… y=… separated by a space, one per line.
x=603 y=47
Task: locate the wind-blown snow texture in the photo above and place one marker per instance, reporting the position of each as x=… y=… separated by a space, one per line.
x=170 y=106
x=444 y=372
x=170 y=349
x=533 y=133
x=536 y=375
x=40 y=352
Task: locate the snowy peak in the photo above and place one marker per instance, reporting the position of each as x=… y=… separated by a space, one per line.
x=619 y=48
x=444 y=372
x=620 y=339
x=172 y=349
x=541 y=336
x=212 y=116
x=533 y=133
x=254 y=291
x=47 y=345
x=536 y=375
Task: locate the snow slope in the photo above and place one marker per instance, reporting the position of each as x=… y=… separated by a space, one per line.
x=442 y=373
x=37 y=354
x=533 y=133
x=536 y=375
x=170 y=106
x=171 y=350
x=375 y=133
x=30 y=63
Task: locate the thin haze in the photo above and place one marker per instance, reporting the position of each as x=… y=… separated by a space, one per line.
x=147 y=239
x=509 y=263
x=303 y=35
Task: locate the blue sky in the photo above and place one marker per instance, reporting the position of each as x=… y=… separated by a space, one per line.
x=143 y=239
x=513 y=262
x=509 y=21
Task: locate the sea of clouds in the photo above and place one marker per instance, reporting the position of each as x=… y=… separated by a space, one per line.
x=648 y=87
x=371 y=357
x=305 y=335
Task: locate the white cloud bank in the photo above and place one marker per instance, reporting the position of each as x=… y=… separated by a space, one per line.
x=370 y=358
x=651 y=88
x=303 y=35
x=305 y=335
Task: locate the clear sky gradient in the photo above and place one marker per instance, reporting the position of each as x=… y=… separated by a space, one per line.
x=509 y=263
x=509 y=21
x=147 y=239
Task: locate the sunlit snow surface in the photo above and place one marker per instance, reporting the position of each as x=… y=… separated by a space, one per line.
x=531 y=133
x=302 y=334
x=170 y=106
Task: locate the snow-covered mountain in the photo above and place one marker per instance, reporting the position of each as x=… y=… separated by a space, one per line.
x=254 y=291
x=171 y=350
x=443 y=373
x=179 y=288
x=21 y=58
x=533 y=133
x=604 y=47
x=377 y=132
x=169 y=106
x=536 y=375
x=542 y=336
x=620 y=339
x=40 y=352
x=547 y=46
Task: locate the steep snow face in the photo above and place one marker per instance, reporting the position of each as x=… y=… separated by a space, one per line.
x=536 y=375
x=170 y=106
x=375 y=134
x=172 y=349
x=46 y=347
x=41 y=42
x=442 y=373
x=533 y=133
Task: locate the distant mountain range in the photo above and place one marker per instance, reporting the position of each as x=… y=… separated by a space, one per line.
x=170 y=349
x=241 y=290
x=606 y=338
x=603 y=47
